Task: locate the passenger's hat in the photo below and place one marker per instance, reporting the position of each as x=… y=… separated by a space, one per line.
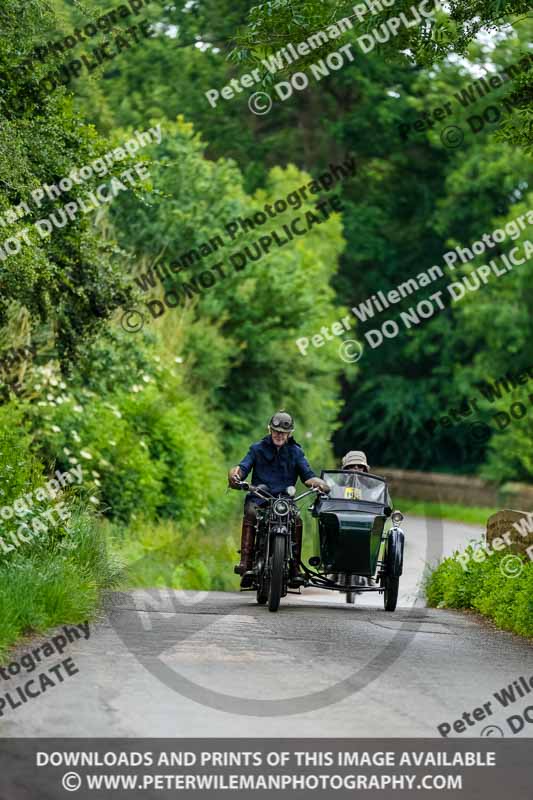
x=353 y=458
x=281 y=422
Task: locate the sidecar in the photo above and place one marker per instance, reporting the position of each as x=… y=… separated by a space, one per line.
x=360 y=539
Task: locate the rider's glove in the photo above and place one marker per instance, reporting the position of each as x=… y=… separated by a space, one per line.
x=234 y=476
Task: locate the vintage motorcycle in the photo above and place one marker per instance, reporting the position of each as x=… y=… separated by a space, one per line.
x=359 y=551
x=273 y=552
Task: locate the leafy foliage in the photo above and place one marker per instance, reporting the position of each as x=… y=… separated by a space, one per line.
x=484 y=587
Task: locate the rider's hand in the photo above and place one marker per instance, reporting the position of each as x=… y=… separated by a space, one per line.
x=318 y=483
x=234 y=476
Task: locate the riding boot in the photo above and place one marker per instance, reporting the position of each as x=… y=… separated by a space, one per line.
x=296 y=577
x=247 y=549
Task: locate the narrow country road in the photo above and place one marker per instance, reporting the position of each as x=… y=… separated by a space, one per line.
x=184 y=664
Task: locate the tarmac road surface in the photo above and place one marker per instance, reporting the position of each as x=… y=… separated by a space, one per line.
x=184 y=664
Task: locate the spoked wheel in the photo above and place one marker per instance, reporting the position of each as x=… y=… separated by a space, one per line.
x=393 y=569
x=276 y=574
x=390 y=595
x=350 y=597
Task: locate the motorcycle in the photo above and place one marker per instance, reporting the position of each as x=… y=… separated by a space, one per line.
x=274 y=546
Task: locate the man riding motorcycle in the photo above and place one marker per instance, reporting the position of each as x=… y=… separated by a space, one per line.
x=277 y=462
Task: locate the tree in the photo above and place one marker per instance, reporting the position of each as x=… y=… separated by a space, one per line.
x=68 y=283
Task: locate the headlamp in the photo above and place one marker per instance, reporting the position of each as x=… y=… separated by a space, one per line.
x=281 y=508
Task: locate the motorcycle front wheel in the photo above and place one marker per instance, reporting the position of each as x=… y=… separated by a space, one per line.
x=276 y=573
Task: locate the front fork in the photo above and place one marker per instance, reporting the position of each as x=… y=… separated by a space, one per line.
x=264 y=535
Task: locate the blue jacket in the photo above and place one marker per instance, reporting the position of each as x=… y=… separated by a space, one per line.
x=277 y=468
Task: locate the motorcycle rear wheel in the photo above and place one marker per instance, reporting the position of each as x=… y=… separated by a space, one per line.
x=276 y=573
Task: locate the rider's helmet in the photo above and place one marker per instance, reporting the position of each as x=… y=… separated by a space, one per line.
x=282 y=422
x=355 y=459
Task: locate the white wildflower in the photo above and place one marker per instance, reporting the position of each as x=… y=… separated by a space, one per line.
x=85 y=454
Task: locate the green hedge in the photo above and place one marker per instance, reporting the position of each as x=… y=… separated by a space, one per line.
x=484 y=587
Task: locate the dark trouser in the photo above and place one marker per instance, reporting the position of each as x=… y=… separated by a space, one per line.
x=250 y=511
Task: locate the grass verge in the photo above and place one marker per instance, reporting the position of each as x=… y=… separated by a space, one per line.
x=485 y=587
x=472 y=515
x=45 y=586
x=162 y=554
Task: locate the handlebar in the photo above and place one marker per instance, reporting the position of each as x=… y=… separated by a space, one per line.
x=248 y=487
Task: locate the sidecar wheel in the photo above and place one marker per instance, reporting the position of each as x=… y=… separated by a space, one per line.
x=276 y=574
x=390 y=595
x=350 y=597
